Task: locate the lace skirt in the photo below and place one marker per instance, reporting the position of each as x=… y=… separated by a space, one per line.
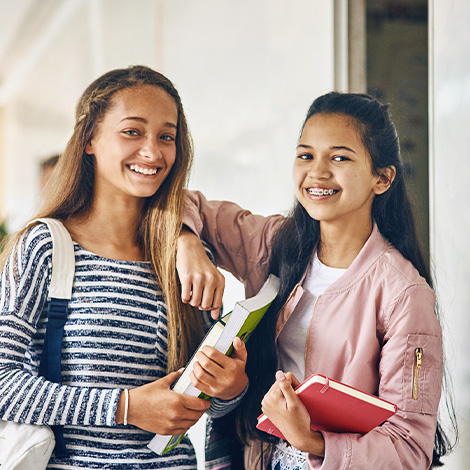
x=286 y=457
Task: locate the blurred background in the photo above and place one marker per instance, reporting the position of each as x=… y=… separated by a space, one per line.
x=247 y=71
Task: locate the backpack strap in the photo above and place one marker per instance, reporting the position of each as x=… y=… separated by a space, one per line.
x=60 y=292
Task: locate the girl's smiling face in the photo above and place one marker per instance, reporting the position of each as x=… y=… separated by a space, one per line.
x=134 y=147
x=333 y=175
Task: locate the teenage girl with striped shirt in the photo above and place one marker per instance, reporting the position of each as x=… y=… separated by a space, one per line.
x=117 y=189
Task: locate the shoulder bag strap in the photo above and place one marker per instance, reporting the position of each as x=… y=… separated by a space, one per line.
x=60 y=292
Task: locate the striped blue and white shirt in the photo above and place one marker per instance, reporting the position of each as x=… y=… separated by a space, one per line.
x=115 y=337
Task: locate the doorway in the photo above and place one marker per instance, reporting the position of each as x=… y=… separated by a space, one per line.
x=397 y=73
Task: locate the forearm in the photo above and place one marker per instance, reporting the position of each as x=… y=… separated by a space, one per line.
x=33 y=400
x=240 y=239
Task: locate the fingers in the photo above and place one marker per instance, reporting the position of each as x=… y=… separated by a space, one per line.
x=206 y=368
x=186 y=288
x=177 y=420
x=217 y=297
x=194 y=405
x=293 y=379
x=168 y=380
x=205 y=290
x=273 y=400
x=218 y=375
x=239 y=349
x=284 y=382
x=178 y=413
x=215 y=314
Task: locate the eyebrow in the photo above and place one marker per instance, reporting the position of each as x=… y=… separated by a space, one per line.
x=343 y=147
x=333 y=147
x=140 y=119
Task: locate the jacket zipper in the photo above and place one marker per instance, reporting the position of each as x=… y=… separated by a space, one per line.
x=419 y=361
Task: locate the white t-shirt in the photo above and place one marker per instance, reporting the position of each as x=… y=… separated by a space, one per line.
x=293 y=337
x=291 y=349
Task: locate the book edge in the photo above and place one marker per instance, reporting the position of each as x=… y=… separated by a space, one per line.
x=348 y=390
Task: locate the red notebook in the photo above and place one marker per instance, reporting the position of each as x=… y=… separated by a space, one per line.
x=336 y=407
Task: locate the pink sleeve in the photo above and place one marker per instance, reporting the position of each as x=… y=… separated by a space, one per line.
x=240 y=239
x=406 y=440
x=380 y=448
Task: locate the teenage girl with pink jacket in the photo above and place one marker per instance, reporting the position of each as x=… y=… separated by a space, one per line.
x=356 y=300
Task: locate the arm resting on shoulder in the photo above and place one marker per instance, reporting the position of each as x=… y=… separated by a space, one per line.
x=240 y=239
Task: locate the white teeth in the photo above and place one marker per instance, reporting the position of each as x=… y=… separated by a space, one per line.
x=143 y=171
x=321 y=192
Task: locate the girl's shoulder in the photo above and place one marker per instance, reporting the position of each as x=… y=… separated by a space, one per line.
x=37 y=236
x=401 y=268
x=31 y=257
x=35 y=245
x=387 y=262
x=403 y=289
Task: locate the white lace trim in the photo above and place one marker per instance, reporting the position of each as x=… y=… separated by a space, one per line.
x=288 y=457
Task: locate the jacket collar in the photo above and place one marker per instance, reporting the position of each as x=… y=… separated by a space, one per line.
x=375 y=246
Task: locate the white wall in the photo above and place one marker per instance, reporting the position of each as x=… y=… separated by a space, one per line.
x=246 y=72
x=450 y=195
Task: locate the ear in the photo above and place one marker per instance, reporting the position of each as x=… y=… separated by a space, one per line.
x=89 y=148
x=385 y=179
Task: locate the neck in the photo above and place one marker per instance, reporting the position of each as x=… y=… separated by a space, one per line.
x=109 y=230
x=339 y=247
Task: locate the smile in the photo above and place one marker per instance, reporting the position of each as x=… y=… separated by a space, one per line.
x=321 y=192
x=143 y=171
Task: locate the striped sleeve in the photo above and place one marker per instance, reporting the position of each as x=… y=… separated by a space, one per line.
x=25 y=397
x=220 y=407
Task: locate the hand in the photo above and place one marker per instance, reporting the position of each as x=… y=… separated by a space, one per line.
x=218 y=375
x=202 y=284
x=286 y=411
x=154 y=407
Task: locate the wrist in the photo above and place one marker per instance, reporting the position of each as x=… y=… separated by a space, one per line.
x=187 y=236
x=241 y=389
x=312 y=443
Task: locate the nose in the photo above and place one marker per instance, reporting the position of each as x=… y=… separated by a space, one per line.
x=151 y=150
x=319 y=168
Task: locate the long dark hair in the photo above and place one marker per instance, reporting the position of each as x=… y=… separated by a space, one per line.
x=295 y=243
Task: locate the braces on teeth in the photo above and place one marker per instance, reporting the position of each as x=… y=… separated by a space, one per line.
x=321 y=192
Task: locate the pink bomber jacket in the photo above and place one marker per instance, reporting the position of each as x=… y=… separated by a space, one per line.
x=366 y=329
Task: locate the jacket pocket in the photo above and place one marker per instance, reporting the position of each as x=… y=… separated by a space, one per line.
x=422 y=374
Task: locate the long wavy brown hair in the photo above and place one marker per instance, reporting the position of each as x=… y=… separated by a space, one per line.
x=70 y=192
